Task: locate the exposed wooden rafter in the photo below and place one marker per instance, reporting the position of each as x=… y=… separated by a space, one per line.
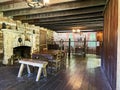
x=52 y=8
x=69 y=21
x=94 y=23
x=66 y=18
x=59 y=14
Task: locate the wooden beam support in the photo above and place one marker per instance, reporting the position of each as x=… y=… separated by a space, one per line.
x=20 y=8
x=94 y=23
x=74 y=22
x=70 y=26
x=72 y=17
x=86 y=14
x=62 y=13
x=82 y=28
x=69 y=21
x=12 y=13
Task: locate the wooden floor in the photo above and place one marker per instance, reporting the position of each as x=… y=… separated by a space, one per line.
x=80 y=74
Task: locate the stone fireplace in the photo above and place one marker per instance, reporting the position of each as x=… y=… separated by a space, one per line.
x=21 y=43
x=22 y=51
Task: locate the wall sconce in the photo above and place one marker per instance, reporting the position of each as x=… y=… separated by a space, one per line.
x=76 y=31
x=37 y=3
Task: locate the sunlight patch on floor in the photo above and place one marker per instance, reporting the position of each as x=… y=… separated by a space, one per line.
x=93 y=62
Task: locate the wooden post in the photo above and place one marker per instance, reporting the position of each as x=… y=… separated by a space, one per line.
x=84 y=46
x=69 y=47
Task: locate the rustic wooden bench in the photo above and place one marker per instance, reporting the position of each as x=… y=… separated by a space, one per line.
x=35 y=63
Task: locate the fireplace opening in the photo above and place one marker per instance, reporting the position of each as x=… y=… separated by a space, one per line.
x=22 y=51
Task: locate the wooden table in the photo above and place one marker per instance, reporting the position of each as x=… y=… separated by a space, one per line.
x=52 y=52
x=54 y=57
x=36 y=63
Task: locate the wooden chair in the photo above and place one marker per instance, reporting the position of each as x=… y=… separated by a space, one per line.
x=38 y=56
x=63 y=59
x=45 y=49
x=55 y=63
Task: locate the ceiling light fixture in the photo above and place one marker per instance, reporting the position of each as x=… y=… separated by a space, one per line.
x=37 y=3
x=76 y=31
x=73 y=30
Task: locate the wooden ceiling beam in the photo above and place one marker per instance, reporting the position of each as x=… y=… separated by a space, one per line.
x=69 y=21
x=86 y=14
x=72 y=17
x=95 y=23
x=59 y=14
x=72 y=25
x=81 y=28
x=15 y=13
x=84 y=28
x=20 y=8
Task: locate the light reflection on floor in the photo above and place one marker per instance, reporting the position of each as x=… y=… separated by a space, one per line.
x=93 y=62
x=90 y=63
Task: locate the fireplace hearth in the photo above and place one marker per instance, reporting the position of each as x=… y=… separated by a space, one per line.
x=22 y=51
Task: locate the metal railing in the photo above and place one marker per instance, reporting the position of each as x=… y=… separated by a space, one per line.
x=90 y=46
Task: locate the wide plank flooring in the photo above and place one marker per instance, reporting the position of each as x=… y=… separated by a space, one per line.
x=80 y=74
